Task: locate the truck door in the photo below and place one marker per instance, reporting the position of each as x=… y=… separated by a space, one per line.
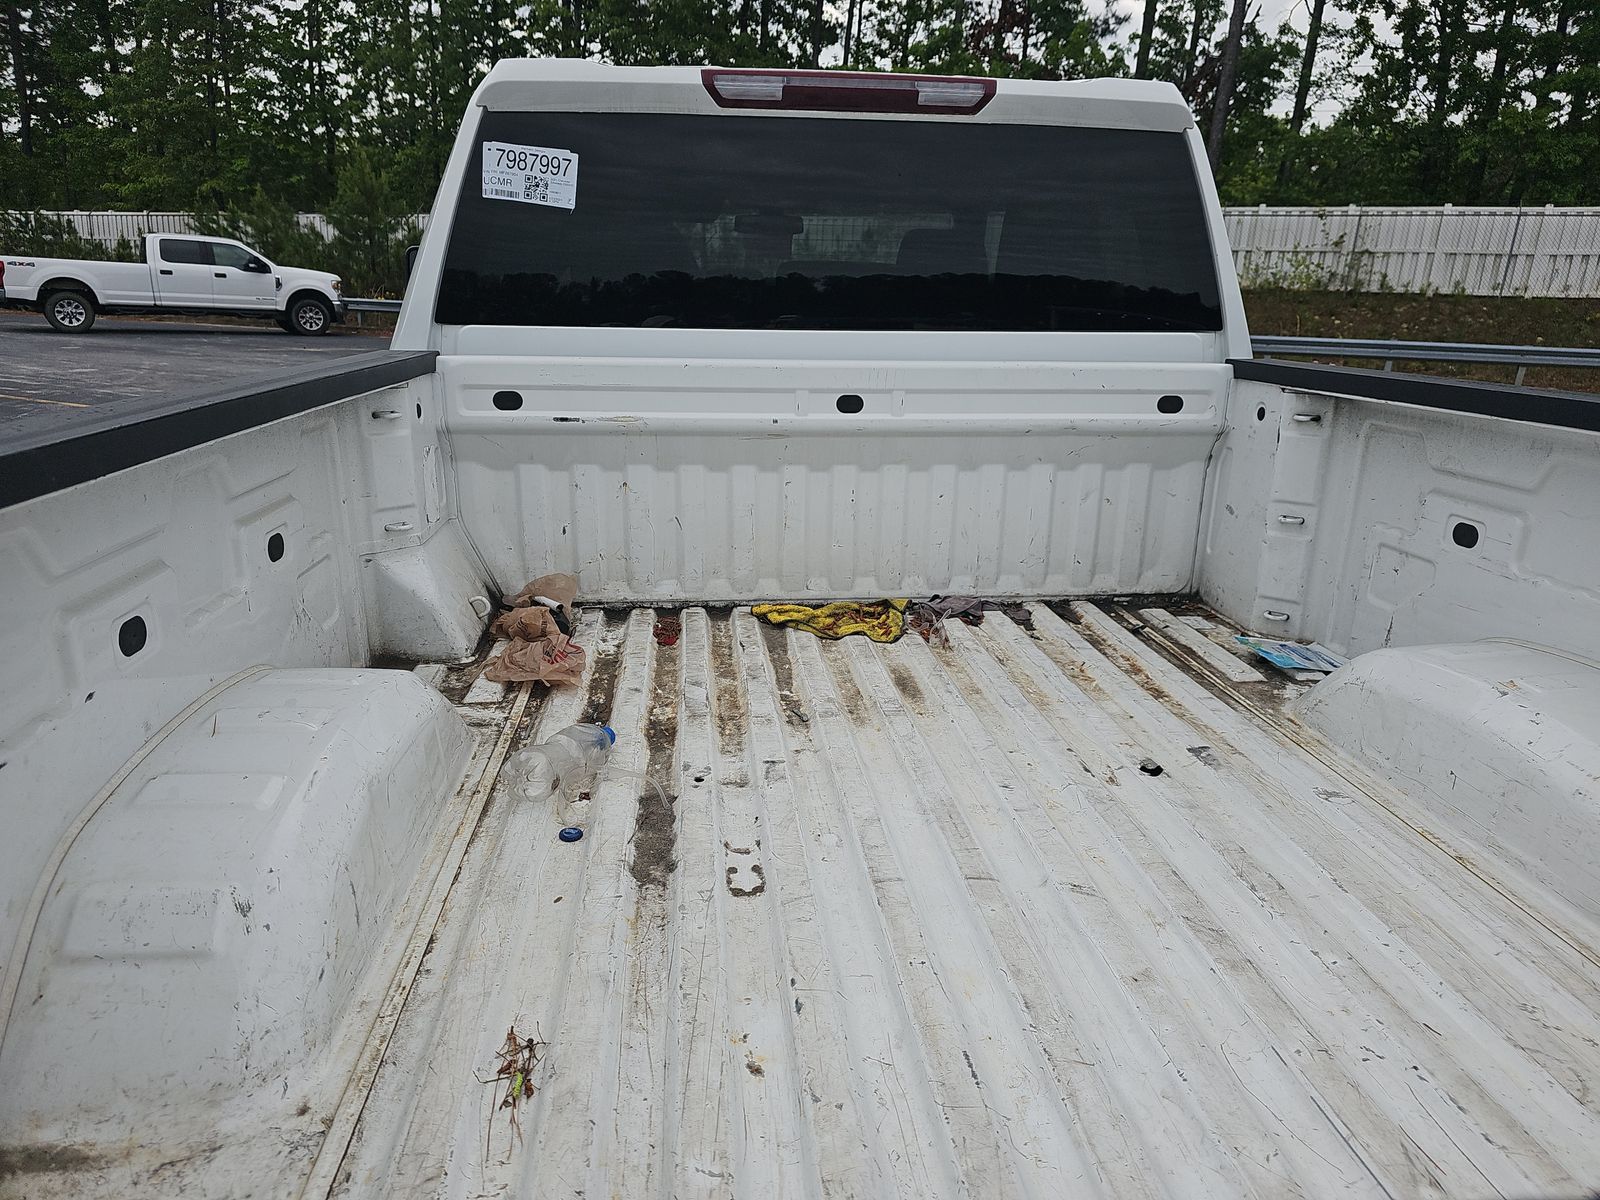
x=183 y=272
x=240 y=278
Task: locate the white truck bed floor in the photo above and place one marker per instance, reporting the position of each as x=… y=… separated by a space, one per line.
x=921 y=926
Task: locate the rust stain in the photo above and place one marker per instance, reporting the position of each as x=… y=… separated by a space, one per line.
x=753 y=1064
x=1130 y=666
x=1263 y=694
x=655 y=825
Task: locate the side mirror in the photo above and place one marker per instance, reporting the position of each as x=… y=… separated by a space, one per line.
x=411 y=259
x=256 y=267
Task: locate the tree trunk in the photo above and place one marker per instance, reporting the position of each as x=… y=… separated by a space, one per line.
x=1441 y=72
x=851 y=14
x=1433 y=164
x=1302 y=90
x=211 y=73
x=108 y=38
x=1141 y=68
x=1578 y=112
x=319 y=102
x=1230 y=68
x=434 y=125
x=1493 y=101
x=1189 y=61
x=225 y=50
x=19 y=72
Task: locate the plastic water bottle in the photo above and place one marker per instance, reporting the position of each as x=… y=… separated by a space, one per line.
x=565 y=765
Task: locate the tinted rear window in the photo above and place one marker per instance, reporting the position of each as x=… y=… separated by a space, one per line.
x=182 y=250
x=728 y=222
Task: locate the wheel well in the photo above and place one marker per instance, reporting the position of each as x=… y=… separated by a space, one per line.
x=303 y=292
x=65 y=284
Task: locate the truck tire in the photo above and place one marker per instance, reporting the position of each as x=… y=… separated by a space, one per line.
x=69 y=312
x=309 y=316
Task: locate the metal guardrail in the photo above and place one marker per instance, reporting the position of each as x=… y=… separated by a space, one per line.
x=1391 y=352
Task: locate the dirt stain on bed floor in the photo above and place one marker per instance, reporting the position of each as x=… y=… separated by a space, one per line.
x=783 y=673
x=44 y=1159
x=655 y=826
x=906 y=684
x=728 y=708
x=601 y=692
x=836 y=658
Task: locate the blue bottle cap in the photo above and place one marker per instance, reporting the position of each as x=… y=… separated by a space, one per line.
x=610 y=733
x=570 y=834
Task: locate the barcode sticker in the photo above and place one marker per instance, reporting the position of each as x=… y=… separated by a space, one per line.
x=530 y=174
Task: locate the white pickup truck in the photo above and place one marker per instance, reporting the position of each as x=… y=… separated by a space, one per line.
x=181 y=273
x=1083 y=900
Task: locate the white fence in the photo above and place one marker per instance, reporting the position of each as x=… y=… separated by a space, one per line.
x=1474 y=251
x=109 y=227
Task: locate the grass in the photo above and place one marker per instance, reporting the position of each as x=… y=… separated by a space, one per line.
x=1501 y=320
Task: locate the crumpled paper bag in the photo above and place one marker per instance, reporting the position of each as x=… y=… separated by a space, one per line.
x=525 y=624
x=555 y=659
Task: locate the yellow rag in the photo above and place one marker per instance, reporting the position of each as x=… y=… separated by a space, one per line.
x=880 y=620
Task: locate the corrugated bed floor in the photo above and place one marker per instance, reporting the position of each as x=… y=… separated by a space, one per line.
x=918 y=924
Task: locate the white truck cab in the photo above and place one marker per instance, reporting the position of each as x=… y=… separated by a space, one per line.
x=181 y=273
x=726 y=211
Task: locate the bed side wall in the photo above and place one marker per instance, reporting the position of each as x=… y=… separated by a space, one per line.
x=1364 y=523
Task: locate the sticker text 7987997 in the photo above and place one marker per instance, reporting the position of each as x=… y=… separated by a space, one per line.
x=530 y=174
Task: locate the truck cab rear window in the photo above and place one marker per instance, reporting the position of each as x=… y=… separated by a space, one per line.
x=184 y=250
x=726 y=222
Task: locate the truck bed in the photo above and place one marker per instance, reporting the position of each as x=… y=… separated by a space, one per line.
x=1052 y=912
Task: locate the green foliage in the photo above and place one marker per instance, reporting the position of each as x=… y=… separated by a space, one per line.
x=370 y=239
x=49 y=236
x=366 y=248
x=272 y=227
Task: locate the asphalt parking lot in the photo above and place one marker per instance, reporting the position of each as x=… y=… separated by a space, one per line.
x=48 y=380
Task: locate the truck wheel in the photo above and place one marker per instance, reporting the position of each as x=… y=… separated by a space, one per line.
x=69 y=312
x=310 y=316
